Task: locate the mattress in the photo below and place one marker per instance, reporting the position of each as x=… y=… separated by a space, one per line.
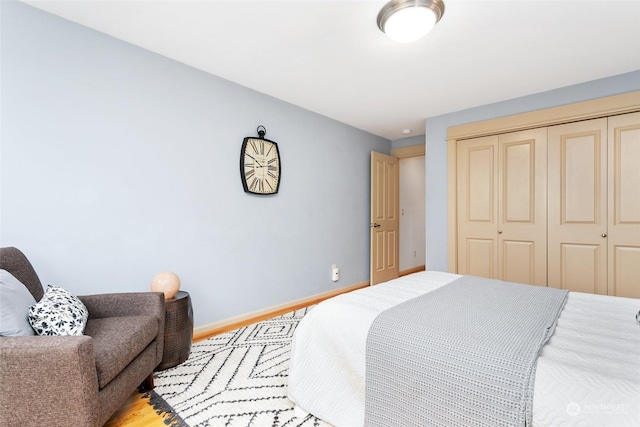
x=588 y=373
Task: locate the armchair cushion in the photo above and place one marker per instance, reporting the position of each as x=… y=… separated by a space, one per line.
x=119 y=340
x=59 y=312
x=129 y=304
x=15 y=300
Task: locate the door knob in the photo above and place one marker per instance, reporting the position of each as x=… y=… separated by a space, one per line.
x=604 y=234
x=499 y=231
x=374 y=225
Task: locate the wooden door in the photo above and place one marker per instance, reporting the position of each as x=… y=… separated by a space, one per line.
x=522 y=207
x=624 y=205
x=477 y=187
x=385 y=220
x=502 y=210
x=577 y=188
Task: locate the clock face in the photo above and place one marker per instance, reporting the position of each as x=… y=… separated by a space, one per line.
x=260 y=166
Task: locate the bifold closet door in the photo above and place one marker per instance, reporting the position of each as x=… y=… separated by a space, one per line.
x=577 y=188
x=502 y=208
x=522 y=207
x=477 y=192
x=624 y=205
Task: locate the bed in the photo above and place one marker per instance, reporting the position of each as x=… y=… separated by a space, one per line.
x=588 y=372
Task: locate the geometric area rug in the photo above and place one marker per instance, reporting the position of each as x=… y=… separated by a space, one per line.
x=238 y=378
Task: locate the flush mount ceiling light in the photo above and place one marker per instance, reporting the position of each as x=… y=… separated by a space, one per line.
x=408 y=20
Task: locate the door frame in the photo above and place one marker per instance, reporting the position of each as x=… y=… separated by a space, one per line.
x=403 y=153
x=595 y=108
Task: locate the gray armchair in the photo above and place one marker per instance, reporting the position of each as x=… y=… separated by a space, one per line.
x=79 y=380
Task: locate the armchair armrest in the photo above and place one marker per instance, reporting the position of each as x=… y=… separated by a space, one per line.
x=41 y=375
x=124 y=304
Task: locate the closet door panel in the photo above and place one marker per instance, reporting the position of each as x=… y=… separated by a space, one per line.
x=522 y=207
x=581 y=269
x=479 y=257
x=577 y=215
x=518 y=261
x=624 y=205
x=477 y=202
x=625 y=271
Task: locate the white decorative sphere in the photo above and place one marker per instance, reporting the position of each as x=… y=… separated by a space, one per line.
x=167 y=283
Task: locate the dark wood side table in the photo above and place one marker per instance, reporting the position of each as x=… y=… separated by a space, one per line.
x=178 y=330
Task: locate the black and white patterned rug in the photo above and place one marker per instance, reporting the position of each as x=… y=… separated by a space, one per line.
x=238 y=378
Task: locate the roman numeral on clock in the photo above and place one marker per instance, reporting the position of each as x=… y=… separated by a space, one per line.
x=253 y=183
x=253 y=145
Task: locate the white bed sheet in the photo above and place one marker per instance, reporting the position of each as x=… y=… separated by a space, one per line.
x=588 y=373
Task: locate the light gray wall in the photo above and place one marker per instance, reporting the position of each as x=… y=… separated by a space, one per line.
x=407 y=142
x=436 y=146
x=117 y=163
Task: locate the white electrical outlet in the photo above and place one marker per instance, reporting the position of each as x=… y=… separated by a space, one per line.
x=335 y=273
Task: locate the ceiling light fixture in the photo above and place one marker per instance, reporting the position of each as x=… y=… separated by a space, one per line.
x=405 y=21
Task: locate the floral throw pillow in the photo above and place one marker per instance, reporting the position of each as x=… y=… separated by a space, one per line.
x=58 y=313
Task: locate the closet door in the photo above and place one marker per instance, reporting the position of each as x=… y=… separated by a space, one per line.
x=477 y=206
x=577 y=234
x=624 y=205
x=522 y=207
x=502 y=209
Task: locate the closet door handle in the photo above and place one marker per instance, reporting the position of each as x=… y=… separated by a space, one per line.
x=499 y=231
x=604 y=234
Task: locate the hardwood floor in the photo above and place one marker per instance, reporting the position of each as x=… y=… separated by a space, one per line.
x=136 y=412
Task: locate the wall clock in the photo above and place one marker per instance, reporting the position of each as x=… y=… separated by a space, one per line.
x=260 y=164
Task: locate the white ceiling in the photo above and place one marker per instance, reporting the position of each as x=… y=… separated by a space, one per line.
x=330 y=57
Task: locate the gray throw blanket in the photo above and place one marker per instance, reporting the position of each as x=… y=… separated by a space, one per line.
x=464 y=354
